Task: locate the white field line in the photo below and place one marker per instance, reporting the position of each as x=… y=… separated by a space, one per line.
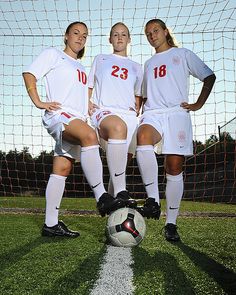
x=116 y=275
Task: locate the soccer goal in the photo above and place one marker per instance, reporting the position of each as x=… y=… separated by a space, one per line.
x=205 y=27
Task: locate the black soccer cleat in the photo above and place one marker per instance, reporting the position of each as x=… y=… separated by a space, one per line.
x=150 y=209
x=59 y=230
x=127 y=200
x=171 y=233
x=107 y=204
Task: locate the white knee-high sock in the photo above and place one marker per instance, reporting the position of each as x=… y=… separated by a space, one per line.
x=93 y=170
x=174 y=193
x=148 y=168
x=54 y=192
x=117 y=161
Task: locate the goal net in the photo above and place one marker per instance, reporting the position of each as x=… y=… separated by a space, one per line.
x=205 y=27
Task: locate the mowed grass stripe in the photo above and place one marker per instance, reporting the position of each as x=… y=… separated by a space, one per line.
x=116 y=274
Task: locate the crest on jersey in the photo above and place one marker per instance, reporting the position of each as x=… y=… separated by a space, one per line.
x=176 y=60
x=182 y=136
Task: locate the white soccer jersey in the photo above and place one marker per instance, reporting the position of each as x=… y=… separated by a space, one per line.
x=117 y=80
x=166 y=77
x=65 y=79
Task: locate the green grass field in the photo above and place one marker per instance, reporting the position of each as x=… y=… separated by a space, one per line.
x=203 y=263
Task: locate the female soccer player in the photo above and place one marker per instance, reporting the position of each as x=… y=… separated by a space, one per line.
x=166 y=117
x=116 y=83
x=65 y=114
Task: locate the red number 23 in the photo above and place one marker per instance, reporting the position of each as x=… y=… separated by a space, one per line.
x=123 y=75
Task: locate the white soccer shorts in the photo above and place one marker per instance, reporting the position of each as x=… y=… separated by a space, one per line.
x=130 y=119
x=175 y=127
x=54 y=123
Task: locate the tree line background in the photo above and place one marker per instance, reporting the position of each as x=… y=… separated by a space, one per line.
x=209 y=175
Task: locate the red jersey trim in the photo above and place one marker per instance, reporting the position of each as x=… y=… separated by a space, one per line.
x=66 y=115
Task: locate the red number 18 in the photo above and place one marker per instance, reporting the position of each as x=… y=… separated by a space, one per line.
x=159 y=71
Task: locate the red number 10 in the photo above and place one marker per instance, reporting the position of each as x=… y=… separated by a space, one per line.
x=82 y=77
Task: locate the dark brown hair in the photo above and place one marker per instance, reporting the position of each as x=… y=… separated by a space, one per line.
x=82 y=51
x=169 y=38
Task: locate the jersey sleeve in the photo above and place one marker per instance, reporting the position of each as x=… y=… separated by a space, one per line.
x=42 y=64
x=196 y=66
x=91 y=76
x=139 y=81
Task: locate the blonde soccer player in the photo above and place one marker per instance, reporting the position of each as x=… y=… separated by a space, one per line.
x=166 y=117
x=115 y=85
x=66 y=109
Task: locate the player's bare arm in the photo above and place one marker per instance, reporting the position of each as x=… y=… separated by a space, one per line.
x=30 y=84
x=138 y=104
x=91 y=106
x=144 y=99
x=206 y=90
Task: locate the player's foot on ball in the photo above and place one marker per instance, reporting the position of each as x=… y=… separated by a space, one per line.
x=171 y=233
x=150 y=209
x=127 y=200
x=106 y=204
x=59 y=230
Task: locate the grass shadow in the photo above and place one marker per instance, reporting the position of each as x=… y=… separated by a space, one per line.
x=223 y=276
x=175 y=281
x=14 y=255
x=79 y=281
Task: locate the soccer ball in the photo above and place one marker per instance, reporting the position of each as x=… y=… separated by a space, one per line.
x=125 y=227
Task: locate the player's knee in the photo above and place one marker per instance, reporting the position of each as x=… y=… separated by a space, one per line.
x=173 y=169
x=65 y=171
x=174 y=164
x=90 y=138
x=119 y=130
x=62 y=168
x=143 y=138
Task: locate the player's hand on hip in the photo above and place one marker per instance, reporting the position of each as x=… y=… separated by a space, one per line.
x=190 y=106
x=49 y=106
